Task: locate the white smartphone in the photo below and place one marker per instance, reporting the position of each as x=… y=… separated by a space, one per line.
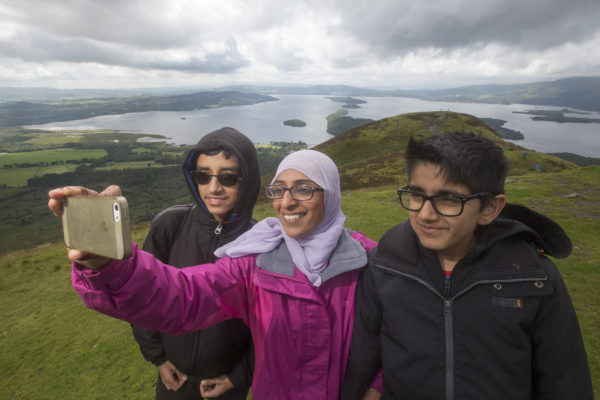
x=98 y=225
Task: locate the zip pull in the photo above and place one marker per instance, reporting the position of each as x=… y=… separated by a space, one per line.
x=447 y=287
x=218 y=229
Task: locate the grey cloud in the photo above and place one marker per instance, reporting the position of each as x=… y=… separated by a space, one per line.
x=140 y=24
x=397 y=27
x=38 y=47
x=224 y=62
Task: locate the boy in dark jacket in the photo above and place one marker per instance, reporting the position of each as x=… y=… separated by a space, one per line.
x=222 y=174
x=459 y=302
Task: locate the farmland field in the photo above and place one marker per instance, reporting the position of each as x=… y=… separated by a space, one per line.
x=50 y=156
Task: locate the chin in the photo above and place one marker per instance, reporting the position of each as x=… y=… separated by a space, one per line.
x=294 y=232
x=431 y=244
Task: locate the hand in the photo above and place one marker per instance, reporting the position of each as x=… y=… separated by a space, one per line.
x=170 y=376
x=215 y=387
x=55 y=204
x=371 y=394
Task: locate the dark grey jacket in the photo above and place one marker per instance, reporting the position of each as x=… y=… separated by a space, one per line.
x=187 y=235
x=502 y=327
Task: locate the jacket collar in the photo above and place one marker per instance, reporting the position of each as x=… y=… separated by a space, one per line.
x=238 y=225
x=506 y=249
x=348 y=255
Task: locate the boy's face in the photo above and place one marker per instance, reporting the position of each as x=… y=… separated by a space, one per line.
x=219 y=199
x=450 y=237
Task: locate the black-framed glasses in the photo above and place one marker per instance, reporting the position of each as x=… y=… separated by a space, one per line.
x=449 y=205
x=299 y=192
x=225 y=179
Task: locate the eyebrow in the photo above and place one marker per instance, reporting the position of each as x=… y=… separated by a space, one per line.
x=298 y=182
x=415 y=188
x=226 y=169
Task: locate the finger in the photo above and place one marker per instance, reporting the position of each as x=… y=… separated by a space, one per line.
x=76 y=255
x=87 y=260
x=180 y=375
x=112 y=190
x=169 y=382
x=177 y=381
x=65 y=191
x=207 y=390
x=56 y=206
x=57 y=197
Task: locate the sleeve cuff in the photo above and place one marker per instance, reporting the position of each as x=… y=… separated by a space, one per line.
x=114 y=274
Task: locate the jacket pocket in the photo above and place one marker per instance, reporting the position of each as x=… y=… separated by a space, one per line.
x=518 y=295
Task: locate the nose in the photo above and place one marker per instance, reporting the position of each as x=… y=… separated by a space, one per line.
x=287 y=201
x=213 y=185
x=427 y=212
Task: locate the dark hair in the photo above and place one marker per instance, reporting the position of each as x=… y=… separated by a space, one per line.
x=215 y=151
x=463 y=158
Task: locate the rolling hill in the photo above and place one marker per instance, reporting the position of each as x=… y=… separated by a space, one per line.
x=372 y=155
x=18 y=113
x=581 y=93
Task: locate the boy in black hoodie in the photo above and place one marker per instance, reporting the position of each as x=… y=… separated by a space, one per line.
x=459 y=302
x=222 y=174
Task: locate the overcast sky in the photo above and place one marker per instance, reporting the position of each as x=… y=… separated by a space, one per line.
x=402 y=44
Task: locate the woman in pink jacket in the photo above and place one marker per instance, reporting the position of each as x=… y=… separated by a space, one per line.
x=292 y=279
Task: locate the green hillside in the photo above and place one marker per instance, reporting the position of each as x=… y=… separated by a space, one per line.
x=54 y=348
x=373 y=154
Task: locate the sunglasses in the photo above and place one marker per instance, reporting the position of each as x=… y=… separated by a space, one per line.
x=226 y=179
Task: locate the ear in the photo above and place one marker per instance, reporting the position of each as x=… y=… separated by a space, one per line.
x=492 y=209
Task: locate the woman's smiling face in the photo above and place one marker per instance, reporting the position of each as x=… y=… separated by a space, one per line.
x=298 y=218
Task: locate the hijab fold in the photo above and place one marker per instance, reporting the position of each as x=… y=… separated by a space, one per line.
x=310 y=253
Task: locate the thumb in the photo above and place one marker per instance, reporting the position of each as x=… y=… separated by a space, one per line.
x=210 y=381
x=180 y=375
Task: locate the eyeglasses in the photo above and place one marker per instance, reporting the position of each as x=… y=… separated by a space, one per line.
x=449 y=205
x=299 y=193
x=227 y=179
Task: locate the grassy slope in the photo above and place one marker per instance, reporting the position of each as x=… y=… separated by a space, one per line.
x=53 y=347
x=372 y=155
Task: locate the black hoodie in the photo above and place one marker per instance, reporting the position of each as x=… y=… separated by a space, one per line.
x=186 y=235
x=501 y=327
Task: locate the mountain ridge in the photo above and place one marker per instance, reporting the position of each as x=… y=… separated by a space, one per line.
x=579 y=92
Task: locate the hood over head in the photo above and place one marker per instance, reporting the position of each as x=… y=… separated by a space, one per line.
x=547 y=234
x=244 y=152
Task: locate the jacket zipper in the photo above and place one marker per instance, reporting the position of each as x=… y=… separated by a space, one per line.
x=449 y=340
x=449 y=337
x=219 y=228
x=448 y=318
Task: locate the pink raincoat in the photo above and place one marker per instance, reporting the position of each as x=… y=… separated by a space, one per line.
x=301 y=332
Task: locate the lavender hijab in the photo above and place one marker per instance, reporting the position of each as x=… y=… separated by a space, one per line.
x=310 y=253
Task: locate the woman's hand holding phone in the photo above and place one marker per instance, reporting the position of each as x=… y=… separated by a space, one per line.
x=55 y=203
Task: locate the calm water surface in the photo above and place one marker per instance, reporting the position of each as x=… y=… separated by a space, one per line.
x=263 y=122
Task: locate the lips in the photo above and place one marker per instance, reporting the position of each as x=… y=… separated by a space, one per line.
x=430 y=230
x=215 y=201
